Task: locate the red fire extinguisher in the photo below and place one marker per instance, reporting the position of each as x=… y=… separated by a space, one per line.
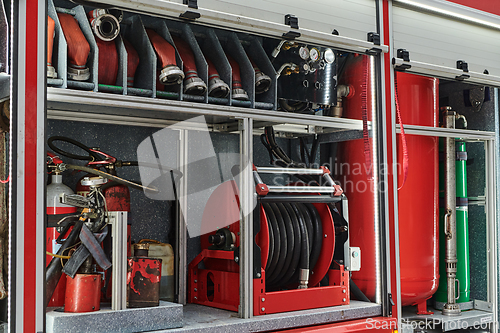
x=56 y=234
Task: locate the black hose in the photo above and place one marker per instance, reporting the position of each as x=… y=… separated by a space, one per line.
x=272 y=261
x=54 y=270
x=318 y=233
x=304 y=262
x=111 y=177
x=288 y=246
x=296 y=254
x=271 y=243
x=90 y=154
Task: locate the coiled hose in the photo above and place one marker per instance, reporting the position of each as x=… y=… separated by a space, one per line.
x=294 y=242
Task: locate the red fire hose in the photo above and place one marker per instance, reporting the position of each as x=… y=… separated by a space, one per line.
x=78 y=48
x=170 y=73
x=193 y=85
x=262 y=81
x=132 y=62
x=108 y=62
x=238 y=92
x=216 y=87
x=51 y=71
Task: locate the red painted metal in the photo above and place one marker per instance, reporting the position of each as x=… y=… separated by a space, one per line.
x=217 y=285
x=301 y=299
x=83 y=293
x=380 y=324
x=143 y=282
x=488 y=6
x=419 y=197
x=355 y=177
x=31 y=159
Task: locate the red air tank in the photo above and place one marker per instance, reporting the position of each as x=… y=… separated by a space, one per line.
x=355 y=175
x=418 y=199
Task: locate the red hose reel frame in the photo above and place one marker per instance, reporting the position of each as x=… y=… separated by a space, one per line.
x=218 y=284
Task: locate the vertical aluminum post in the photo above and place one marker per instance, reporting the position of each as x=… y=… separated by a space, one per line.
x=181 y=230
x=451 y=308
x=246 y=218
x=118 y=221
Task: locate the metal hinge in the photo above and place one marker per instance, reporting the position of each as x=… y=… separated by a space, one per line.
x=191 y=3
x=390 y=301
x=405 y=55
x=464 y=67
x=292 y=21
x=374 y=38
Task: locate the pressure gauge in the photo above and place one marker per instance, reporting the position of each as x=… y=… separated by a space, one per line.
x=329 y=56
x=304 y=53
x=314 y=54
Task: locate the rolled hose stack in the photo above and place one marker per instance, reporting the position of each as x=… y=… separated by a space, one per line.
x=132 y=62
x=216 y=86
x=295 y=240
x=238 y=92
x=106 y=28
x=51 y=71
x=193 y=85
x=170 y=73
x=78 y=48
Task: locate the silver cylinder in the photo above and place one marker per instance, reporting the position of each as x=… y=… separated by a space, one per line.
x=451 y=308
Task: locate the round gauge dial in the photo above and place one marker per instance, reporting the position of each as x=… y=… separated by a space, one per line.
x=329 y=56
x=304 y=52
x=314 y=54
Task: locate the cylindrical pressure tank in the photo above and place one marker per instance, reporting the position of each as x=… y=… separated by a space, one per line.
x=354 y=174
x=418 y=198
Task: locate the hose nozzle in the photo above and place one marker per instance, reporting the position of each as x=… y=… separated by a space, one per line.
x=303 y=278
x=105 y=25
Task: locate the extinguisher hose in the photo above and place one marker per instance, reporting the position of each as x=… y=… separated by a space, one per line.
x=54 y=270
x=110 y=177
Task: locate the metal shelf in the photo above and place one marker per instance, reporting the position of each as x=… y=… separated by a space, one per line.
x=447 y=132
x=76 y=105
x=198 y=318
x=467 y=319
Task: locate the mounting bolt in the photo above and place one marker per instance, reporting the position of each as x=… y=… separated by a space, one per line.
x=236 y=259
x=258 y=275
x=263 y=299
x=326 y=235
x=195 y=281
x=343 y=299
x=343 y=291
x=195 y=289
x=263 y=309
x=195 y=297
x=262 y=188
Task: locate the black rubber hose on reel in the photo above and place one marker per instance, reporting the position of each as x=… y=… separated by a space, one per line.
x=297 y=238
